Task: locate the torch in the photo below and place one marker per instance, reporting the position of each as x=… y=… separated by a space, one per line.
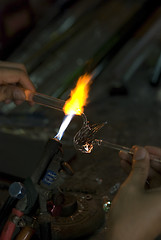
x=49 y=173
x=51 y=178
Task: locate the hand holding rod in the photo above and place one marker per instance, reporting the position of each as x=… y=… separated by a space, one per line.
x=125 y=149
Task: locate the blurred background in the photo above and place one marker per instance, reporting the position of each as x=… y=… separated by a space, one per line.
x=60 y=40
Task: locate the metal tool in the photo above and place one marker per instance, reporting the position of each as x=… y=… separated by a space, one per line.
x=42 y=186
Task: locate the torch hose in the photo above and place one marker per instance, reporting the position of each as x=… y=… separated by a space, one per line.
x=125 y=149
x=6 y=210
x=10 y=225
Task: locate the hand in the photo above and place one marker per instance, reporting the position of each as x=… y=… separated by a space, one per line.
x=13 y=77
x=136 y=213
x=154 y=175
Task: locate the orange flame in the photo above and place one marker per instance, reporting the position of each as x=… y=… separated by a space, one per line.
x=78 y=97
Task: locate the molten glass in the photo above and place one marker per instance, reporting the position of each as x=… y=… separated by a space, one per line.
x=84 y=139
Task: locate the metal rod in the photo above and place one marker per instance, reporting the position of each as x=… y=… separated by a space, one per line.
x=125 y=149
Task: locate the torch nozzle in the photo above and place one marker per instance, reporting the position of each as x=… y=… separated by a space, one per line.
x=44 y=100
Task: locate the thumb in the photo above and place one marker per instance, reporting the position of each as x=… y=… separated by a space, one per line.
x=140 y=167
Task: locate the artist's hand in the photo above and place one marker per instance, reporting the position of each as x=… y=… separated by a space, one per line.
x=13 y=77
x=154 y=175
x=136 y=213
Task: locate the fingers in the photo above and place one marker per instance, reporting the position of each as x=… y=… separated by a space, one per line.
x=126 y=166
x=9 y=92
x=154 y=178
x=140 y=167
x=125 y=156
x=155 y=151
x=11 y=73
x=126 y=161
x=12 y=76
x=13 y=65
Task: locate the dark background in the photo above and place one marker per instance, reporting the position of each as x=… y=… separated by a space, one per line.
x=60 y=40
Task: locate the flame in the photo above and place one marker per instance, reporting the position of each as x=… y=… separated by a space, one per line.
x=75 y=104
x=64 y=125
x=78 y=97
